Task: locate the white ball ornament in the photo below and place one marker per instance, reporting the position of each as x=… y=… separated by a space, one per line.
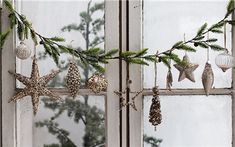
x=224 y=61
x=22 y=51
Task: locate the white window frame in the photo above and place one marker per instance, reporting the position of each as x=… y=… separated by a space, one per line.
x=10 y=121
x=136 y=118
x=123 y=29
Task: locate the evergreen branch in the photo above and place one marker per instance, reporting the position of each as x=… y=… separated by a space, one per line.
x=62 y=135
x=3 y=37
x=53 y=47
x=202 y=29
x=152 y=140
x=215 y=28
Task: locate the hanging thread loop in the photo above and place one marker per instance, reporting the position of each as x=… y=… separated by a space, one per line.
x=225 y=38
x=208 y=49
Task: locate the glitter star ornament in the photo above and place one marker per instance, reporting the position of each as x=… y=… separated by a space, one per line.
x=35 y=86
x=186 y=70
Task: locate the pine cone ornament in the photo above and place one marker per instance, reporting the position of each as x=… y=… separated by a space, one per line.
x=207 y=78
x=155 y=116
x=22 y=51
x=97 y=83
x=73 y=79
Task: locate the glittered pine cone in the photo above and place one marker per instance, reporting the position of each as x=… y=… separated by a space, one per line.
x=73 y=79
x=155 y=116
x=97 y=83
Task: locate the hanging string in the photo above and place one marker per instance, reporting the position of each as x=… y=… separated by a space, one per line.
x=225 y=37
x=35 y=51
x=208 y=49
x=155 y=116
x=184 y=42
x=73 y=50
x=155 y=74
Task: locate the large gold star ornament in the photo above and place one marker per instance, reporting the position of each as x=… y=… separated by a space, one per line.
x=186 y=70
x=35 y=86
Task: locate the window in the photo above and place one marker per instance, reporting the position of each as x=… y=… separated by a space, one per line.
x=189 y=117
x=51 y=127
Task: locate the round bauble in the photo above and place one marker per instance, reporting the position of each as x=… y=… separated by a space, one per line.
x=22 y=51
x=97 y=83
x=224 y=61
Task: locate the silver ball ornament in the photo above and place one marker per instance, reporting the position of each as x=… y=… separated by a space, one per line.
x=22 y=51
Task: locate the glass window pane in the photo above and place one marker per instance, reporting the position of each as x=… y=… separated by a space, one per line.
x=165 y=22
x=72 y=122
x=191 y=121
x=67 y=19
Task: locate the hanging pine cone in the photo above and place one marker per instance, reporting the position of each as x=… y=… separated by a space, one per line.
x=155 y=116
x=73 y=79
x=97 y=83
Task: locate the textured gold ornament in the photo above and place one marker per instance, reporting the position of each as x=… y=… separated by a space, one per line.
x=35 y=86
x=186 y=70
x=207 y=78
x=73 y=79
x=155 y=116
x=97 y=83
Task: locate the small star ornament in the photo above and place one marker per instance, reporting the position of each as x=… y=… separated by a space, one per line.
x=186 y=70
x=35 y=86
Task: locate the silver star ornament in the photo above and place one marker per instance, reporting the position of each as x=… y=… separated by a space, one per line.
x=35 y=86
x=186 y=70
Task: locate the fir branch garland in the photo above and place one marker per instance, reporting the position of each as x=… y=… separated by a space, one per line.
x=96 y=56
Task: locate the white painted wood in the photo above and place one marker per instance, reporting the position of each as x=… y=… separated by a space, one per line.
x=64 y=91
x=1 y=71
x=124 y=72
x=218 y=91
x=24 y=123
x=135 y=44
x=112 y=74
x=233 y=85
x=8 y=87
